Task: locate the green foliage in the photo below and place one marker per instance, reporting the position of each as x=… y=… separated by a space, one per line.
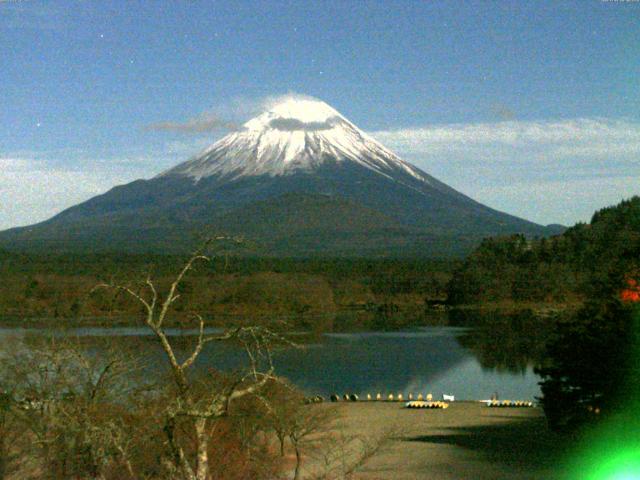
x=581 y=262
x=591 y=367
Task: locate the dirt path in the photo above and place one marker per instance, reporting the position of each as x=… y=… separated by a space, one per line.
x=465 y=441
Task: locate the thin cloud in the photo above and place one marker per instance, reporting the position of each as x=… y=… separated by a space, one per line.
x=581 y=196
x=270 y=101
x=225 y=117
x=530 y=168
x=203 y=124
x=293 y=124
x=581 y=132
x=502 y=112
x=13 y=164
x=593 y=149
x=35 y=189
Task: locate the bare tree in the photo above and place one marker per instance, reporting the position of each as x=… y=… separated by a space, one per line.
x=341 y=455
x=197 y=404
x=306 y=424
x=290 y=418
x=67 y=405
x=8 y=434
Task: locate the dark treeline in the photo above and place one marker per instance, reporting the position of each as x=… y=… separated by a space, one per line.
x=113 y=263
x=318 y=293
x=567 y=268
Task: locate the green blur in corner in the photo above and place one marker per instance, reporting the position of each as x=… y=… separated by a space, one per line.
x=622 y=466
x=611 y=451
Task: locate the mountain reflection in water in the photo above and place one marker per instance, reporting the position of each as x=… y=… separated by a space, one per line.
x=509 y=343
x=470 y=363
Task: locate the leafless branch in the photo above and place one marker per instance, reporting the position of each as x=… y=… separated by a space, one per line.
x=199 y=345
x=188 y=402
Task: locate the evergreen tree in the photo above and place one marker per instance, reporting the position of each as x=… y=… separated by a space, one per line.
x=592 y=364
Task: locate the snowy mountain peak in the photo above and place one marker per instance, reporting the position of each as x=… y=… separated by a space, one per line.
x=295 y=134
x=295 y=113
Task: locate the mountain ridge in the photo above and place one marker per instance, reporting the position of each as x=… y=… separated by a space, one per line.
x=342 y=186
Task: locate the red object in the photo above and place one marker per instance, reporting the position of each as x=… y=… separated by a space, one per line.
x=632 y=293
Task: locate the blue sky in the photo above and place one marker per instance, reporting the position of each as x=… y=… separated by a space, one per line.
x=530 y=107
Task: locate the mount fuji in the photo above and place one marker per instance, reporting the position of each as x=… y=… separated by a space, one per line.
x=299 y=179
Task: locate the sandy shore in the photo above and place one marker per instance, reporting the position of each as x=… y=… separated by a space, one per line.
x=465 y=441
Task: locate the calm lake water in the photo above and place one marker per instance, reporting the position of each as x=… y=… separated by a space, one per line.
x=452 y=360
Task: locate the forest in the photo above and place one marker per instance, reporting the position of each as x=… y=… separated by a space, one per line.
x=563 y=270
x=318 y=294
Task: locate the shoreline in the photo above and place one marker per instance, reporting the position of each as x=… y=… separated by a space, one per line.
x=429 y=318
x=467 y=441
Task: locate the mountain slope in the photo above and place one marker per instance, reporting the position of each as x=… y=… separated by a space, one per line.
x=299 y=179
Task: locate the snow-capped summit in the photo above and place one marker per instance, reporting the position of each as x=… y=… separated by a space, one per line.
x=296 y=134
x=302 y=109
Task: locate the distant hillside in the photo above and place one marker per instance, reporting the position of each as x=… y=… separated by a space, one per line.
x=325 y=294
x=563 y=268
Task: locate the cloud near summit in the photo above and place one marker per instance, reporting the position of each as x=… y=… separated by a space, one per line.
x=293 y=124
x=230 y=116
x=202 y=124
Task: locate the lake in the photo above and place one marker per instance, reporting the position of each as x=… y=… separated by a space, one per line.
x=453 y=360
